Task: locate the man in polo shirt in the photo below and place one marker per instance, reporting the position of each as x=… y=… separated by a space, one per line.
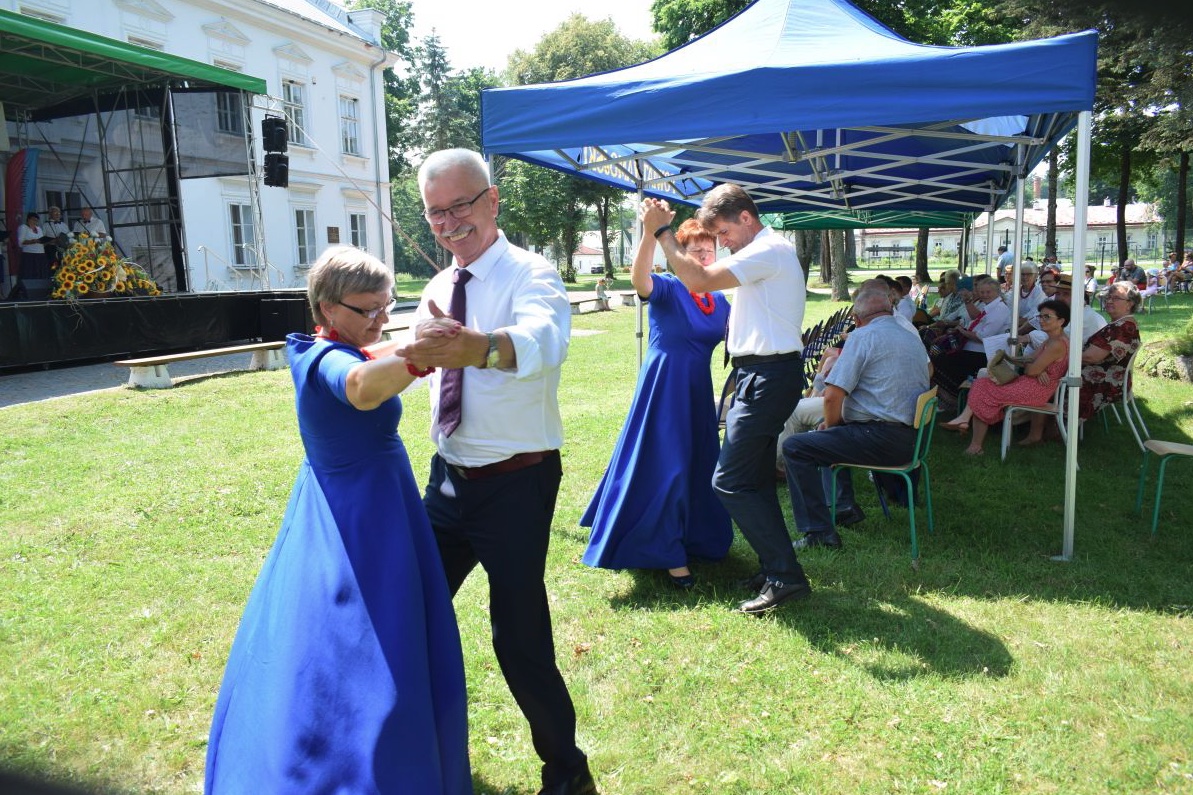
x=869 y=414
x=764 y=343
x=494 y=480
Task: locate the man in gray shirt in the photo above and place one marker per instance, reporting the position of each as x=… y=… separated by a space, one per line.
x=869 y=414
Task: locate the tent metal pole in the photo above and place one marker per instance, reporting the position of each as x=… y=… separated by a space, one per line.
x=638 y=301
x=989 y=241
x=1017 y=272
x=1080 y=218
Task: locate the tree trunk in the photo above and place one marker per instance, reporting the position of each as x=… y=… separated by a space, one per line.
x=1053 y=183
x=826 y=258
x=963 y=247
x=921 y=256
x=1124 y=188
x=602 y=211
x=1182 y=201
x=840 y=265
x=805 y=249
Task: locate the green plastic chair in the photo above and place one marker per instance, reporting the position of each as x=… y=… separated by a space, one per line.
x=1165 y=450
x=925 y=414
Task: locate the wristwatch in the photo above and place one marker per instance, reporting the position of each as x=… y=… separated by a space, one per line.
x=494 y=355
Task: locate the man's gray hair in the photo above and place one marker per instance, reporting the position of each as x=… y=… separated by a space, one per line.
x=448 y=159
x=341 y=271
x=872 y=298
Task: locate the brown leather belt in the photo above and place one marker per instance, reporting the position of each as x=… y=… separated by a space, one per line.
x=511 y=464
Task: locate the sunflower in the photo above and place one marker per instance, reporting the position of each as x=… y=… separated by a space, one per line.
x=81 y=288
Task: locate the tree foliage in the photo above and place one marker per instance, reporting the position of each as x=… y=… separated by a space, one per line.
x=548 y=207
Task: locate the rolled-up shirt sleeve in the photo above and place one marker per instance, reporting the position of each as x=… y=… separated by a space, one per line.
x=542 y=322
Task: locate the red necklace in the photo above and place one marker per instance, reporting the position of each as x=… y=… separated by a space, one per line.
x=705 y=301
x=332 y=335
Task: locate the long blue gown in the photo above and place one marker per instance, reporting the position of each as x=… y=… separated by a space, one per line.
x=346 y=674
x=655 y=506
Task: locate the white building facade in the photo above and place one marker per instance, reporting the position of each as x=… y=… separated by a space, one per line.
x=323 y=69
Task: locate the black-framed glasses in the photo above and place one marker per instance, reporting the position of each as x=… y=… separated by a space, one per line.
x=371 y=314
x=457 y=211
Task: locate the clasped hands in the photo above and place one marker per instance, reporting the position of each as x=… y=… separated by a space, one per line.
x=444 y=342
x=655 y=213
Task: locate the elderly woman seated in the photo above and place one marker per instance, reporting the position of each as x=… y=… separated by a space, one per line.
x=1109 y=349
x=988 y=400
x=986 y=316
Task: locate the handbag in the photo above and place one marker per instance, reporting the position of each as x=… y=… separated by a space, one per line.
x=1001 y=370
x=949 y=342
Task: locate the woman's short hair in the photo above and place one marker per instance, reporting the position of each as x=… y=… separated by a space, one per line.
x=950 y=276
x=1058 y=307
x=1089 y=269
x=341 y=271
x=691 y=230
x=1130 y=292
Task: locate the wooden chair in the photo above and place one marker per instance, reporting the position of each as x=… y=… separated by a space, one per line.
x=925 y=414
x=1165 y=450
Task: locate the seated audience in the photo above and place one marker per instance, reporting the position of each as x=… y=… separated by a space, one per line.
x=986 y=316
x=869 y=415
x=988 y=401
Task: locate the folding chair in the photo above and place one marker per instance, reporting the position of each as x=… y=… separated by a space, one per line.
x=1130 y=407
x=1165 y=450
x=925 y=413
x=1056 y=408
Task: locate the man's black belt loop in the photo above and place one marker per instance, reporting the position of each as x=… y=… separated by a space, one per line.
x=746 y=361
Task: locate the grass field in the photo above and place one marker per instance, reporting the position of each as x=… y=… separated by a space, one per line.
x=135 y=523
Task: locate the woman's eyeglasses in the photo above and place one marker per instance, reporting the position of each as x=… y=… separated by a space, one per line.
x=371 y=314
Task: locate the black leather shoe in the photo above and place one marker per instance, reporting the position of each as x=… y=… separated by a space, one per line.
x=821 y=538
x=754 y=583
x=579 y=784
x=684 y=582
x=774 y=594
x=847 y=518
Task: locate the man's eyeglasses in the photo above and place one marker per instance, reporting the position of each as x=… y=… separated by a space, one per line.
x=457 y=211
x=371 y=314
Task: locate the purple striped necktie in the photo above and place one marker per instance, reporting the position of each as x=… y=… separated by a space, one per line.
x=451 y=385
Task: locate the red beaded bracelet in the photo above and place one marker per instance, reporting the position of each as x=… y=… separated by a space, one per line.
x=417 y=373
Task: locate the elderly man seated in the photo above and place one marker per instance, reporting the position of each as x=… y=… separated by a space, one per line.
x=869 y=413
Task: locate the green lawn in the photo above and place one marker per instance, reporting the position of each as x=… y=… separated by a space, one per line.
x=135 y=523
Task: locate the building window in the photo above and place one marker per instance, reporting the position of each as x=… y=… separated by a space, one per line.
x=68 y=202
x=229 y=112
x=304 y=235
x=294 y=105
x=350 y=125
x=244 y=235
x=357 y=235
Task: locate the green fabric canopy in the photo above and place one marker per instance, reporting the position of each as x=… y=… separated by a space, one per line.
x=890 y=219
x=43 y=65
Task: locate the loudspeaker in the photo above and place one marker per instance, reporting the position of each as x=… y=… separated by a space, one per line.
x=277 y=170
x=273 y=134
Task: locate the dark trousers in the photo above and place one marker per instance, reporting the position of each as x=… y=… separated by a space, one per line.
x=874 y=443
x=951 y=369
x=503 y=522
x=744 y=479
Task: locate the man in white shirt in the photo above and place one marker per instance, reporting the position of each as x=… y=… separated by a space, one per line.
x=764 y=341
x=493 y=483
x=56 y=228
x=89 y=224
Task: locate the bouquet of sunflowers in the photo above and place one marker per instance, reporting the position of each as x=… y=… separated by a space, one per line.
x=91 y=267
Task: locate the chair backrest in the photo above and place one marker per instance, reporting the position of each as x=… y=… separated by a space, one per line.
x=1129 y=374
x=925 y=423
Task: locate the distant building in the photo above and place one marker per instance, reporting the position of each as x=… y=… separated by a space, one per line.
x=1143 y=234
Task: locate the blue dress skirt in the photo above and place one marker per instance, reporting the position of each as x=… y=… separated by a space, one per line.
x=655 y=507
x=346 y=673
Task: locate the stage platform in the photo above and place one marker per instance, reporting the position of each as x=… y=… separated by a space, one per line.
x=49 y=333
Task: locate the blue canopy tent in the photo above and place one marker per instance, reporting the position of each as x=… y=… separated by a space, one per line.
x=812 y=105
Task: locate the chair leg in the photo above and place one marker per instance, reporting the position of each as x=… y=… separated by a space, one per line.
x=915 y=547
x=1159 y=491
x=1131 y=423
x=832 y=500
x=1142 y=480
x=1006 y=431
x=928 y=496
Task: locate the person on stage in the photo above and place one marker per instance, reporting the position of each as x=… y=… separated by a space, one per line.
x=655 y=507
x=346 y=674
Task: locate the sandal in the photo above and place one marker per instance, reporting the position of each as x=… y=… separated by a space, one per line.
x=959 y=427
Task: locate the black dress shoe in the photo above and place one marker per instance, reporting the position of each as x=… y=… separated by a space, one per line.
x=820 y=538
x=684 y=582
x=774 y=594
x=847 y=518
x=579 y=784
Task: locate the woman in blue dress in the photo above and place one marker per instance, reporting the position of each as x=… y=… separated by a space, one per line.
x=655 y=507
x=346 y=674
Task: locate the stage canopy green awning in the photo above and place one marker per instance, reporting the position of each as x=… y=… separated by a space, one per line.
x=842 y=219
x=44 y=65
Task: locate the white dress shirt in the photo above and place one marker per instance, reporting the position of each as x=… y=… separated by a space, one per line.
x=505 y=412
x=768 y=307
